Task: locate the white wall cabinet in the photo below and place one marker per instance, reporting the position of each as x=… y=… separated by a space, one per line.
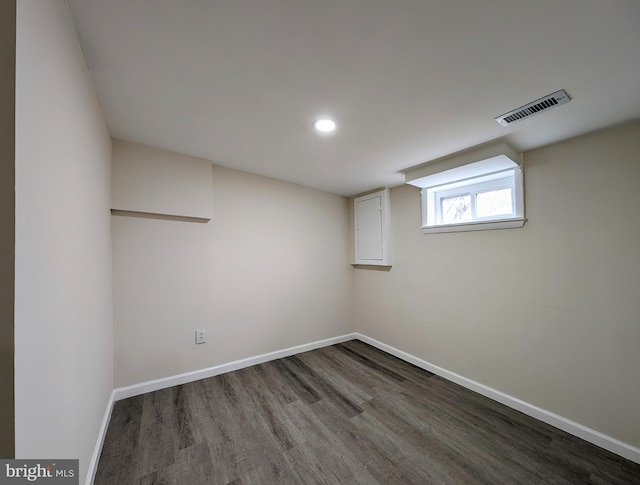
x=371 y=214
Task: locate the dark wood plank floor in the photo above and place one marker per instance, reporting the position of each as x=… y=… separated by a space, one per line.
x=343 y=414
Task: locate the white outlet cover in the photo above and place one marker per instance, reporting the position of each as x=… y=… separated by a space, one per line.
x=201 y=336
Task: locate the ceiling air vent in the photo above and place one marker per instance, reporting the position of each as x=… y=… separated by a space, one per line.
x=535 y=107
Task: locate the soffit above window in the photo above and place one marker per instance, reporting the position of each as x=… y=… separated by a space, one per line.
x=485 y=159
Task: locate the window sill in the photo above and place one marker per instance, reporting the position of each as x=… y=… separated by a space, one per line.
x=476 y=226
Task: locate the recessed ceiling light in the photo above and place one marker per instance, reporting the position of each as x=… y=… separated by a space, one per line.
x=325 y=125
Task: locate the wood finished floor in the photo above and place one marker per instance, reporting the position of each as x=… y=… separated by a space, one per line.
x=343 y=414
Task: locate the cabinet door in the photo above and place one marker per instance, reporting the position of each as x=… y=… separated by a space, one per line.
x=369 y=229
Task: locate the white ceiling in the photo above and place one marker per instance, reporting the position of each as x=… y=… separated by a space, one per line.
x=240 y=82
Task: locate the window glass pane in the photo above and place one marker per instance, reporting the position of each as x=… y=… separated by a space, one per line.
x=456 y=209
x=494 y=203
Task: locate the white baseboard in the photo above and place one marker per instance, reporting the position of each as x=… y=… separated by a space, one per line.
x=592 y=436
x=102 y=432
x=599 y=439
x=157 y=384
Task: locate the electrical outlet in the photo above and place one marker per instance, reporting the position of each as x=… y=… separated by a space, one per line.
x=201 y=336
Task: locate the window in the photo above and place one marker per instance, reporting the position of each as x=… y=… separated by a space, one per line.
x=455 y=209
x=471 y=196
x=483 y=198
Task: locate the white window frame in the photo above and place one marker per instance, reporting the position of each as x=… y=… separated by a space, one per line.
x=432 y=197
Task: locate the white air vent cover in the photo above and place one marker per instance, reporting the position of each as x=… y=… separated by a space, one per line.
x=535 y=107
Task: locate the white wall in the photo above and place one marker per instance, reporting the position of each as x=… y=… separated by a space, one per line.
x=153 y=181
x=269 y=271
x=7 y=221
x=548 y=313
x=63 y=301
